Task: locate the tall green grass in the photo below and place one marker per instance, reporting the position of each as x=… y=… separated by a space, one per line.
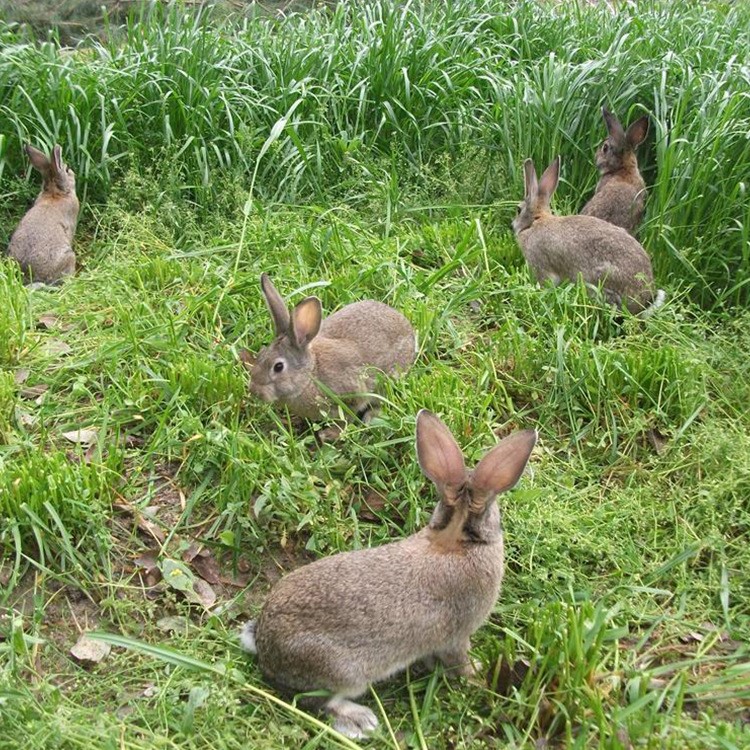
x=368 y=97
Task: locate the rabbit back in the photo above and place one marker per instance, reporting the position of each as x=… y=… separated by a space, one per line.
x=379 y=335
x=359 y=617
x=42 y=243
x=565 y=247
x=619 y=201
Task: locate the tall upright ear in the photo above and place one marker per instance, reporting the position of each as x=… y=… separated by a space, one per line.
x=548 y=181
x=637 y=132
x=438 y=453
x=306 y=319
x=57 y=158
x=529 y=179
x=614 y=128
x=502 y=467
x=276 y=305
x=38 y=160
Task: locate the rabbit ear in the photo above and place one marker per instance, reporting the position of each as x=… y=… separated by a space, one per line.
x=38 y=160
x=502 y=467
x=276 y=305
x=306 y=318
x=438 y=453
x=548 y=181
x=637 y=132
x=57 y=158
x=530 y=183
x=614 y=128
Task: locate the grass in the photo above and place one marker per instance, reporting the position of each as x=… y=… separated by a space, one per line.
x=375 y=154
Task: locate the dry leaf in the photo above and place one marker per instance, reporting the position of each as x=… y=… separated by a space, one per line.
x=143 y=523
x=33 y=391
x=6 y=573
x=173 y=624
x=206 y=595
x=247 y=358
x=24 y=418
x=191 y=552
x=149 y=565
x=510 y=676
x=82 y=437
x=155 y=592
x=88 y=456
x=372 y=504
x=21 y=375
x=56 y=346
x=50 y=320
x=206 y=566
x=657 y=441
x=89 y=651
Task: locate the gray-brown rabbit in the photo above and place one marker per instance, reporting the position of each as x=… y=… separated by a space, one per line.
x=354 y=618
x=566 y=247
x=43 y=240
x=342 y=354
x=620 y=196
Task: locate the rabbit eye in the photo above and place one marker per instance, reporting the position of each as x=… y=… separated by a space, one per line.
x=605 y=147
x=278 y=366
x=519 y=207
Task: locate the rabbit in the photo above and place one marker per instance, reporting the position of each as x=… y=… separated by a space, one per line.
x=341 y=354
x=620 y=196
x=43 y=240
x=345 y=621
x=565 y=247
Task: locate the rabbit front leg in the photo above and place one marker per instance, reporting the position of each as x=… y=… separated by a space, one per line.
x=350 y=718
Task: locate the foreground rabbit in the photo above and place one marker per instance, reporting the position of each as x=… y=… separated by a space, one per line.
x=342 y=354
x=566 y=247
x=620 y=196
x=345 y=621
x=43 y=240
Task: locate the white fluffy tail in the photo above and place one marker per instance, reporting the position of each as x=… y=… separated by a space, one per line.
x=661 y=298
x=247 y=637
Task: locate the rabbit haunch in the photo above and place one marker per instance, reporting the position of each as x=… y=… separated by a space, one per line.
x=620 y=196
x=354 y=618
x=566 y=247
x=43 y=241
x=342 y=354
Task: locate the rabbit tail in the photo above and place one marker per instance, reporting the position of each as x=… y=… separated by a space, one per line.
x=247 y=637
x=659 y=300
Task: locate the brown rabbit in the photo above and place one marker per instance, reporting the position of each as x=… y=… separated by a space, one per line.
x=345 y=621
x=43 y=240
x=566 y=247
x=620 y=196
x=342 y=354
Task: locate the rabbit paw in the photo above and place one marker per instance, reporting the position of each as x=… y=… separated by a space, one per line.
x=351 y=719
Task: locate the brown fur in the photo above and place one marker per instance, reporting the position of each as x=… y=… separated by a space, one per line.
x=620 y=196
x=343 y=353
x=565 y=247
x=354 y=618
x=43 y=241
